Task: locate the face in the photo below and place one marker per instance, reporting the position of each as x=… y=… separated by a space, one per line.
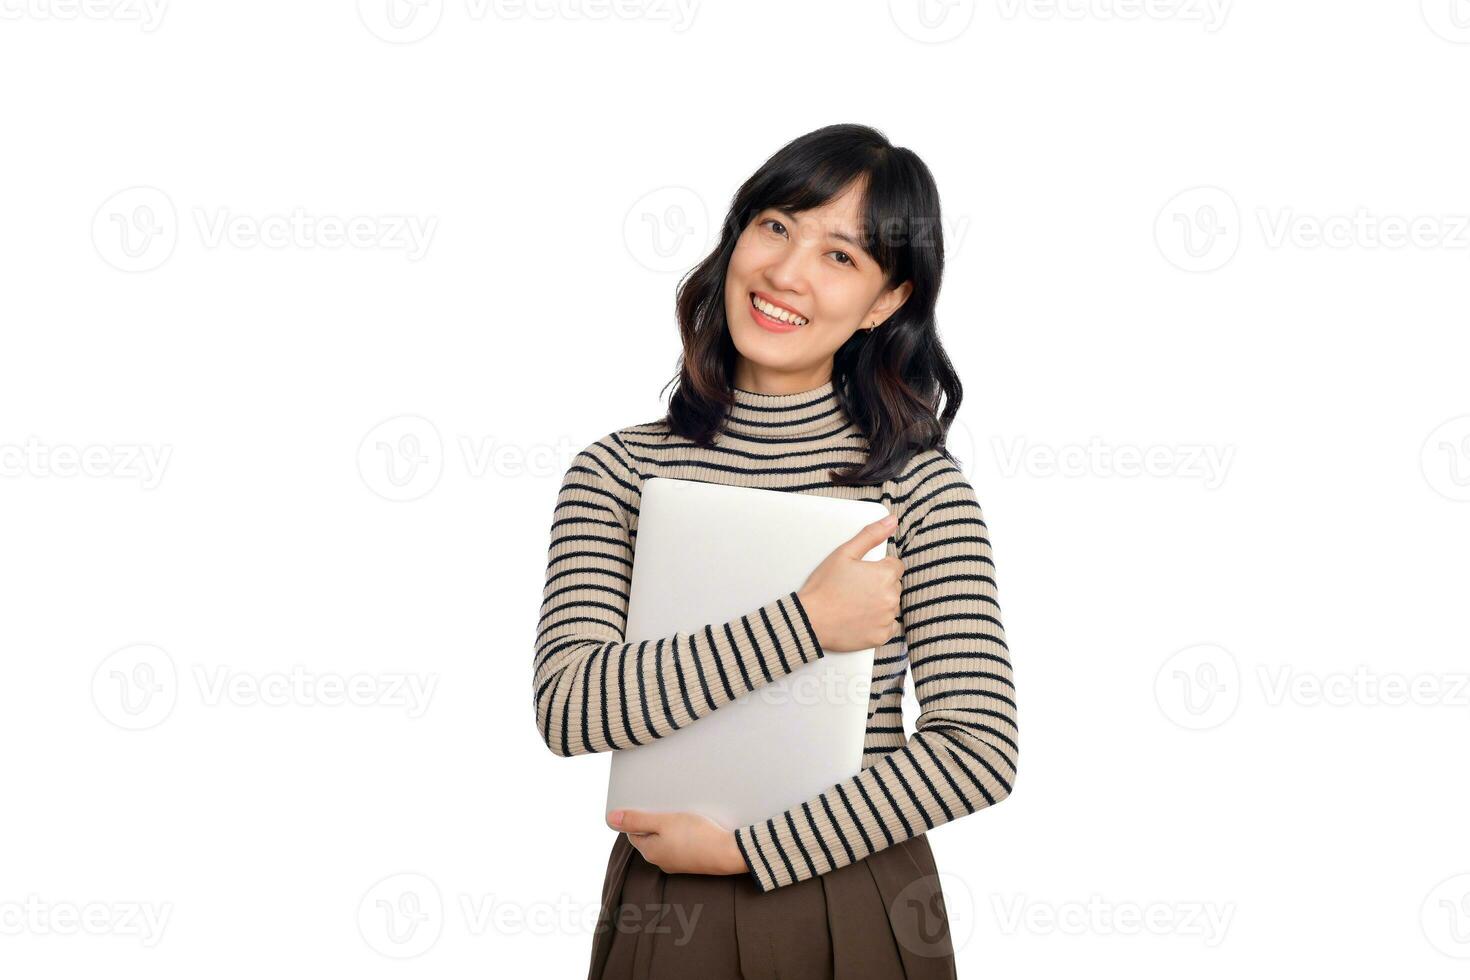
x=810 y=265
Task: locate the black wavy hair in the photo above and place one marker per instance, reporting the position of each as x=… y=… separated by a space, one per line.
x=888 y=380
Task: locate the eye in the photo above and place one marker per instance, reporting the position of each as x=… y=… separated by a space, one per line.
x=780 y=228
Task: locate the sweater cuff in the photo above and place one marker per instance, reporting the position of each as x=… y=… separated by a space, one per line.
x=748 y=851
x=806 y=627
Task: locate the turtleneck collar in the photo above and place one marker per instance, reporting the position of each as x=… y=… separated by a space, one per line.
x=815 y=411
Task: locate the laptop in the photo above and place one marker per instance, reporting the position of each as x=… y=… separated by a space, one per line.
x=708 y=553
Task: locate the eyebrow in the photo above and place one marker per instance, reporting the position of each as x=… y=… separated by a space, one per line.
x=841 y=236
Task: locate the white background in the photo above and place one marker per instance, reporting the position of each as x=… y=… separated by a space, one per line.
x=356 y=448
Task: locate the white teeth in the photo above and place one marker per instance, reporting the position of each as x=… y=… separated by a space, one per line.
x=775 y=312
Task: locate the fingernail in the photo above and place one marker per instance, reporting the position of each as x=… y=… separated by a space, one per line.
x=617 y=818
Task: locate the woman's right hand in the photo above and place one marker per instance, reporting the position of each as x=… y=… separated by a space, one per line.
x=853 y=604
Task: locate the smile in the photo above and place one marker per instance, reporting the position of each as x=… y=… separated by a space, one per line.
x=775 y=317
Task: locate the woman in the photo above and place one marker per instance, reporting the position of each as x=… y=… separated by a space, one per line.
x=811 y=364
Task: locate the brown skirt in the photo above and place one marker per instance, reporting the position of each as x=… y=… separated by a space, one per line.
x=881 y=918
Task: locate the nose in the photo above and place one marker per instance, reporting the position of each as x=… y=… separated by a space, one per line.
x=788 y=273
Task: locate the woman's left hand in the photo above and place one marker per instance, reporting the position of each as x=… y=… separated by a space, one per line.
x=681 y=843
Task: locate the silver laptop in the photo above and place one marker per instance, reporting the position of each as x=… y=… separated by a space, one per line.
x=708 y=553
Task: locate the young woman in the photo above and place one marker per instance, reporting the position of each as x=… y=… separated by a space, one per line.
x=811 y=364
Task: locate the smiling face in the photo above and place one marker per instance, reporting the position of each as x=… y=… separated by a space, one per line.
x=816 y=284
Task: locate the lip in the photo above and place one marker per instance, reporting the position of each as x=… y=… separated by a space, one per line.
x=767 y=323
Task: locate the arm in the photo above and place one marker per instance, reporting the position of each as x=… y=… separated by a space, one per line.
x=593 y=691
x=962 y=755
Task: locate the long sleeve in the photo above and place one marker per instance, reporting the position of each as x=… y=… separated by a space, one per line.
x=593 y=691
x=962 y=755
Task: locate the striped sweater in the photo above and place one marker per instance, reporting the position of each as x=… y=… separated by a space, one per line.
x=595 y=693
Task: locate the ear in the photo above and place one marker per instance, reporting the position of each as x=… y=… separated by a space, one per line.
x=889 y=302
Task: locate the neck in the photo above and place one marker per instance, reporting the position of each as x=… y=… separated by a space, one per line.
x=812 y=412
x=761 y=379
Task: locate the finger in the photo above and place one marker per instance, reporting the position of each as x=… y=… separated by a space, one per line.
x=635 y=821
x=652 y=847
x=869 y=537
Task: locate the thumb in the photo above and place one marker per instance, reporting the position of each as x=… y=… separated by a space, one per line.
x=868 y=538
x=633 y=821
